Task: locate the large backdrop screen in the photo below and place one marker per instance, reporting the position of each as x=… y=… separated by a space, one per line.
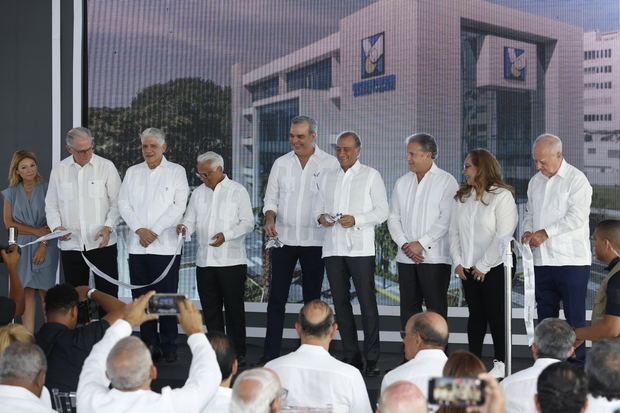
x=228 y=76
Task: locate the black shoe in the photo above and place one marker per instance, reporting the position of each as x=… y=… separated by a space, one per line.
x=371 y=369
x=156 y=355
x=170 y=357
x=355 y=362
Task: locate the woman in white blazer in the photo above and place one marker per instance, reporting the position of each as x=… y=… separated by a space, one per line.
x=484 y=213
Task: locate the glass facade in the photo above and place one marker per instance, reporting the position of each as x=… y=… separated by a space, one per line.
x=502 y=121
x=274 y=122
x=265 y=89
x=315 y=76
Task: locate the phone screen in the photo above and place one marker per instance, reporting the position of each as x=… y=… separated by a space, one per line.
x=165 y=304
x=456 y=391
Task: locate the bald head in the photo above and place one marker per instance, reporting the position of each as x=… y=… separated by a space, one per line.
x=256 y=390
x=316 y=320
x=547 y=154
x=402 y=397
x=423 y=331
x=129 y=364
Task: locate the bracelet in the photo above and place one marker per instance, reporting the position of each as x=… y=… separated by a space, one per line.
x=44 y=243
x=90 y=293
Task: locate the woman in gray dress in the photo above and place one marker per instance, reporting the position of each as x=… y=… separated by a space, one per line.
x=24 y=208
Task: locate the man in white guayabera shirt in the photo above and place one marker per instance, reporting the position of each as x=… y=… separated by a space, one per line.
x=557 y=227
x=351 y=202
x=419 y=221
x=220 y=213
x=288 y=216
x=152 y=201
x=82 y=198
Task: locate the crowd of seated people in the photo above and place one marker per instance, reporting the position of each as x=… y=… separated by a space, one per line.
x=113 y=370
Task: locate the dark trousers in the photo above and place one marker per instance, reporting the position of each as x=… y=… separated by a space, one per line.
x=77 y=272
x=340 y=271
x=224 y=286
x=426 y=283
x=569 y=284
x=283 y=262
x=143 y=269
x=486 y=307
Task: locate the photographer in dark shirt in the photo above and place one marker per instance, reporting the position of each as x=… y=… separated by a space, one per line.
x=65 y=345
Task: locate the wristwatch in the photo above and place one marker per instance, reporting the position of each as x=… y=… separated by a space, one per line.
x=90 y=293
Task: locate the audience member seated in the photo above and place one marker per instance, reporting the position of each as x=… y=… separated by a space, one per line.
x=22 y=375
x=311 y=375
x=426 y=336
x=461 y=363
x=562 y=387
x=13 y=305
x=227 y=360
x=402 y=397
x=603 y=373
x=65 y=345
x=553 y=342
x=125 y=362
x=257 y=390
x=18 y=333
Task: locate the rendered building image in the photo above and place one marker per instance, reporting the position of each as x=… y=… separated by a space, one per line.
x=471 y=73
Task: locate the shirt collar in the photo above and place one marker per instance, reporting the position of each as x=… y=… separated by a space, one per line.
x=612 y=264
x=429 y=353
x=164 y=163
x=317 y=152
x=311 y=348
x=355 y=168
x=563 y=170
x=71 y=161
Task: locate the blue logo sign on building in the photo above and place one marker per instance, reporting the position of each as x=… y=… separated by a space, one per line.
x=372 y=56
x=515 y=63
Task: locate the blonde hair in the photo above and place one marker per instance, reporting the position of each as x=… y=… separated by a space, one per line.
x=19 y=156
x=12 y=333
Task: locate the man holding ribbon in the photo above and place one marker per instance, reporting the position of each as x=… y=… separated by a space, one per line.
x=220 y=213
x=82 y=198
x=351 y=201
x=556 y=226
x=152 y=201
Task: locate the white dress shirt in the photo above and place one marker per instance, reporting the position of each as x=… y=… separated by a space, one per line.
x=290 y=191
x=227 y=210
x=420 y=211
x=154 y=199
x=94 y=395
x=477 y=229
x=220 y=403
x=424 y=366
x=602 y=405
x=83 y=199
x=520 y=388
x=561 y=206
x=359 y=192
x=19 y=399
x=314 y=378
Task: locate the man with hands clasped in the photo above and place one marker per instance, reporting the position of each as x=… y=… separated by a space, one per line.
x=418 y=223
x=220 y=213
x=152 y=201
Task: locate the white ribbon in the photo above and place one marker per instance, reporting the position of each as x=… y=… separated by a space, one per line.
x=529 y=282
x=95 y=270
x=50 y=236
